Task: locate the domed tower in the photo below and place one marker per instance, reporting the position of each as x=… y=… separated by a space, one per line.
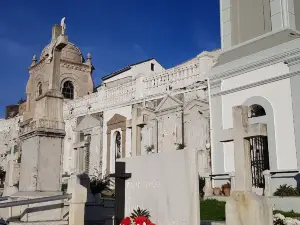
x=75 y=76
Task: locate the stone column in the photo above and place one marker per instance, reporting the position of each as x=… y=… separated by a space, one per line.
x=267 y=177
x=12 y=178
x=77 y=202
x=208 y=191
x=232 y=180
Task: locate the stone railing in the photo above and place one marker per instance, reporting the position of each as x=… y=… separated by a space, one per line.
x=171 y=79
x=139 y=89
x=41 y=123
x=119 y=94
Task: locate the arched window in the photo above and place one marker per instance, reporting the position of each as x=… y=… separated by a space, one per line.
x=118 y=145
x=68 y=90
x=256 y=111
x=40 y=89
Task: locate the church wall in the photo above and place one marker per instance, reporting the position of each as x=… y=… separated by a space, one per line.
x=255 y=76
x=119 y=76
x=279 y=95
x=145 y=68
x=107 y=115
x=295 y=82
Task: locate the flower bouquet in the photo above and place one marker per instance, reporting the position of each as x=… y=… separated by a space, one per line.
x=138 y=217
x=280 y=219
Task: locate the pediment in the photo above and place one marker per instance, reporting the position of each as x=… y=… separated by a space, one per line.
x=88 y=122
x=117 y=118
x=168 y=103
x=197 y=106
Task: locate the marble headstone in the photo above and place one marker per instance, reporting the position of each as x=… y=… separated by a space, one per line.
x=166 y=184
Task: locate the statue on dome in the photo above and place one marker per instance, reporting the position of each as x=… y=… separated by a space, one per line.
x=63 y=25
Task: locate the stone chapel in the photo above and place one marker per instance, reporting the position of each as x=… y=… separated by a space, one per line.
x=140 y=109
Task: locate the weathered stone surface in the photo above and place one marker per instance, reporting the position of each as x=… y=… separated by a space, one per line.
x=247 y=208
x=166 y=184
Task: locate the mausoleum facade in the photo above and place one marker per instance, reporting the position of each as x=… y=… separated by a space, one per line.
x=140 y=109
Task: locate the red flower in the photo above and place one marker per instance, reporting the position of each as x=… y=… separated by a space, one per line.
x=141 y=219
x=126 y=221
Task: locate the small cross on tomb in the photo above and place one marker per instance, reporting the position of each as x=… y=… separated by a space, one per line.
x=240 y=134
x=120 y=177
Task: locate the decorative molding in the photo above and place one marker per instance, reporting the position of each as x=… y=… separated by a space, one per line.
x=286 y=56
x=75 y=66
x=37 y=67
x=255 y=84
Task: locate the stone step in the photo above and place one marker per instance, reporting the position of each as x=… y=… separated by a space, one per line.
x=205 y=222
x=53 y=222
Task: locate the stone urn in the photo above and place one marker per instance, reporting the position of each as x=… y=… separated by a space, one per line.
x=217 y=191
x=226 y=189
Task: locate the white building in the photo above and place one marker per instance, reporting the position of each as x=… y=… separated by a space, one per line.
x=258 y=67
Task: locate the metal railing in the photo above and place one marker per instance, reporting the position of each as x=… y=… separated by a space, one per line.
x=33 y=201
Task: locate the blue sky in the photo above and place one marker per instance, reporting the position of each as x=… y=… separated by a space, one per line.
x=116 y=32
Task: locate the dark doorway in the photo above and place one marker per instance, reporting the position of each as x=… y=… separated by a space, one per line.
x=259 y=160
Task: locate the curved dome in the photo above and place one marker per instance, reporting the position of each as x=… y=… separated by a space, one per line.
x=70 y=53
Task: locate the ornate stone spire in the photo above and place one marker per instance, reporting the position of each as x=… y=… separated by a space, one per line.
x=33 y=60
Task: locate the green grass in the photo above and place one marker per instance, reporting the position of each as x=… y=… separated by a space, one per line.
x=211 y=209
x=291 y=214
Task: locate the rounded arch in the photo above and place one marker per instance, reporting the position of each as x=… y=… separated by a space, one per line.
x=39 y=89
x=268 y=119
x=256 y=110
x=74 y=79
x=117 y=144
x=68 y=89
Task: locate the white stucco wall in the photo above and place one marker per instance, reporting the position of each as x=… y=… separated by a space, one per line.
x=255 y=76
x=107 y=115
x=279 y=95
x=143 y=68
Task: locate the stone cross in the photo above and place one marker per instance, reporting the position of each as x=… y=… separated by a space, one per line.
x=240 y=134
x=120 y=177
x=136 y=124
x=59 y=41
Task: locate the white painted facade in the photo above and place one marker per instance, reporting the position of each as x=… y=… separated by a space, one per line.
x=279 y=96
x=278 y=93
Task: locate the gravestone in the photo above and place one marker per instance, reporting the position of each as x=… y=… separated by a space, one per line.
x=120 y=180
x=165 y=184
x=243 y=206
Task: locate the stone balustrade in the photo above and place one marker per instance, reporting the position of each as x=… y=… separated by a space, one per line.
x=120 y=94
x=174 y=78
x=139 y=89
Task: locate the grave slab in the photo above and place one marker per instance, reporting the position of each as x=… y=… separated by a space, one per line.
x=166 y=184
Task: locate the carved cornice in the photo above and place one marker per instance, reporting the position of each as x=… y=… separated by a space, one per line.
x=41 y=125
x=37 y=67
x=75 y=66
x=255 y=84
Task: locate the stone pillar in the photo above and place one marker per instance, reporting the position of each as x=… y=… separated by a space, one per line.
x=208 y=191
x=79 y=157
x=12 y=178
x=267 y=177
x=136 y=132
x=232 y=180
x=42 y=136
x=77 y=202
